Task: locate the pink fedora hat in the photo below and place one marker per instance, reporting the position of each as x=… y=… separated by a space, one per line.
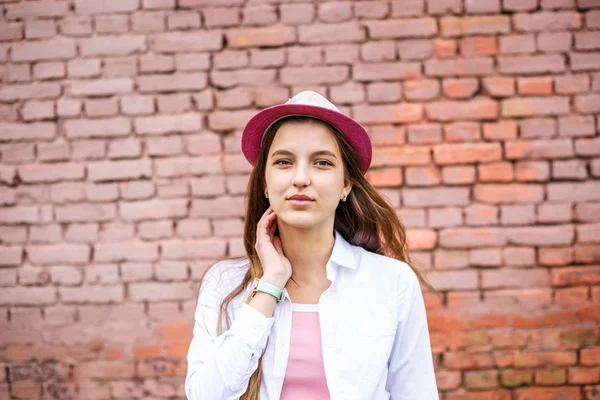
x=310 y=104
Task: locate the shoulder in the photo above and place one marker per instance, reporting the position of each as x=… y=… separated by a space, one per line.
x=225 y=275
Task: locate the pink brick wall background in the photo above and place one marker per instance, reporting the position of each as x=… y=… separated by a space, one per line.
x=121 y=177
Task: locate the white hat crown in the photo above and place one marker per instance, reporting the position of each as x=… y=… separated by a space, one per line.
x=310 y=98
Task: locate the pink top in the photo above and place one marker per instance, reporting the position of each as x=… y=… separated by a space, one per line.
x=305 y=374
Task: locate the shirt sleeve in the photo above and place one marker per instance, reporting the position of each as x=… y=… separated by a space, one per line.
x=219 y=367
x=411 y=374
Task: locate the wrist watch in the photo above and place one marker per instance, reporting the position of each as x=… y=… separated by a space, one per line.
x=261 y=286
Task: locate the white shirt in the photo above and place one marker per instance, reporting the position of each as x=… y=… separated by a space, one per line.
x=374 y=333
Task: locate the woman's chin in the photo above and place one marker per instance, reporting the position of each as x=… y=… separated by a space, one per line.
x=297 y=219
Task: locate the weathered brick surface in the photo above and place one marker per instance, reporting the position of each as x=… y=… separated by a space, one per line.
x=121 y=178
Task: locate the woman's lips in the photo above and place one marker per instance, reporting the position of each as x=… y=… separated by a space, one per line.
x=300 y=203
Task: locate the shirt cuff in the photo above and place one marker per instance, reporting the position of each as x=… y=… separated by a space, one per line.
x=252 y=327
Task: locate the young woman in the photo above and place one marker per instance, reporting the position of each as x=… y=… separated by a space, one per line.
x=325 y=305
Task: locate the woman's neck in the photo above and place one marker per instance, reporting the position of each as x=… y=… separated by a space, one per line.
x=308 y=251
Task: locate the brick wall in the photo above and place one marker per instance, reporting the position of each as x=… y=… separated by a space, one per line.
x=121 y=177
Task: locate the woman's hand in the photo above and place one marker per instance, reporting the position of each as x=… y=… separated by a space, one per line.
x=277 y=269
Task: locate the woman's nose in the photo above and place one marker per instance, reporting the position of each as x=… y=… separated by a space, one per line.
x=301 y=177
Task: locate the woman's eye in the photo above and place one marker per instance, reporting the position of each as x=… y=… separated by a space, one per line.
x=281 y=162
x=324 y=163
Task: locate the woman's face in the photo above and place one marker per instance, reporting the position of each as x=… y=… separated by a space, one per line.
x=304 y=158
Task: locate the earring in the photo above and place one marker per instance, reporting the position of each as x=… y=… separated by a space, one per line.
x=344 y=196
x=266 y=194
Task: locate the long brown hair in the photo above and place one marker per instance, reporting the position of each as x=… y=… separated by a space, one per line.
x=365 y=220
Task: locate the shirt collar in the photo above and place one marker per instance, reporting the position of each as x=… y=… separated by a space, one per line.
x=342 y=254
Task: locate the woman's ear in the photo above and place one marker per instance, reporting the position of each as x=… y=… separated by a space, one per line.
x=348 y=188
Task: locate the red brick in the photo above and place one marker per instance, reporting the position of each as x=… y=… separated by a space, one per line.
x=444 y=6
x=328 y=33
x=547 y=21
x=538 y=149
x=419 y=90
x=444 y=48
x=495 y=172
x=592 y=19
x=297 y=14
x=52 y=49
x=590 y=356
x=508 y=193
x=532 y=171
x=258 y=77
x=435 y=197
x=500 y=130
x=424 y=133
x=474 y=46
x=535 y=86
x=554 y=212
x=557 y=4
x=119 y=170
x=482 y=25
x=535 y=106
x=421 y=239
x=386 y=71
x=460 y=88
x=552 y=42
x=522 y=214
x=88 y=7
x=571 y=84
x=499 y=86
x=571 y=276
x=220 y=17
x=168 y=83
x=515 y=377
x=467 y=153
x=378 y=92
x=571 y=169
x=109 y=127
x=335 y=12
x=472 y=237
x=178 y=42
x=570 y=297
x=587 y=104
x=415 y=49
x=531 y=64
x=125 y=251
x=410 y=27
x=588 y=233
x=587 y=212
x=584 y=375
x=266 y=57
x=462 y=132
x=35 y=9
x=475 y=109
x=401 y=113
x=575 y=192
x=183 y=20
x=585 y=61
x=192 y=62
x=383 y=50
x=542 y=235
x=453 y=280
x=31 y=131
x=458 y=175
x=31 y=173
x=422 y=176
x=111 y=23
x=385 y=135
x=99 y=87
x=459 y=67
x=517 y=44
x=314 y=75
x=481 y=379
x=385 y=177
x=551 y=377
x=566 y=392
x=341 y=53
x=485 y=257
x=307 y=55
x=408 y=155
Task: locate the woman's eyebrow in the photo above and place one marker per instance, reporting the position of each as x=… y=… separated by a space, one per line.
x=315 y=153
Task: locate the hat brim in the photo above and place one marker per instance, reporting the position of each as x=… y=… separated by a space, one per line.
x=257 y=125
